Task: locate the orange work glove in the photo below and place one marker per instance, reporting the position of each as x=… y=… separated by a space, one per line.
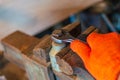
x=101 y=55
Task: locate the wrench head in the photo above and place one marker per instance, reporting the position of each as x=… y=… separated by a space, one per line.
x=60 y=36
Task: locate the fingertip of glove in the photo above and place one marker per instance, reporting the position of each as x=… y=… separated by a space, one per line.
x=81 y=49
x=74 y=44
x=77 y=44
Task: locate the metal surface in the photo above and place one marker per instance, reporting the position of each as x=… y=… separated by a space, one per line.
x=61 y=36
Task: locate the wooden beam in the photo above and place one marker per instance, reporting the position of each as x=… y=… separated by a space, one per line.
x=41 y=50
x=19 y=50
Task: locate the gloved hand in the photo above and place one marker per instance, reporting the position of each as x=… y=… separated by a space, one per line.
x=101 y=55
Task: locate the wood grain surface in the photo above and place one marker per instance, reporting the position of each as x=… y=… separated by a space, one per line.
x=19 y=50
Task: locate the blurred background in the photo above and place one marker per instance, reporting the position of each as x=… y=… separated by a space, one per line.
x=40 y=17
x=35 y=16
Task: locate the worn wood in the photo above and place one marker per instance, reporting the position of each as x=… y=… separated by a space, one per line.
x=37 y=71
x=63 y=52
x=10 y=70
x=79 y=74
x=17 y=44
x=74 y=29
x=19 y=50
x=13 y=72
x=73 y=59
x=62 y=76
x=69 y=61
x=64 y=66
x=41 y=50
x=21 y=41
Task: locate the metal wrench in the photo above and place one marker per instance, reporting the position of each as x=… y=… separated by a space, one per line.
x=63 y=36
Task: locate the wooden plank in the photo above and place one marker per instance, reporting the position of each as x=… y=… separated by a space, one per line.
x=13 y=72
x=74 y=29
x=41 y=50
x=17 y=44
x=10 y=70
x=19 y=50
x=62 y=76
x=20 y=41
x=73 y=59
x=64 y=66
x=68 y=61
x=63 y=52
x=1 y=54
x=37 y=71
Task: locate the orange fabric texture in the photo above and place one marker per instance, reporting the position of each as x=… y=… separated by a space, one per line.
x=101 y=54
